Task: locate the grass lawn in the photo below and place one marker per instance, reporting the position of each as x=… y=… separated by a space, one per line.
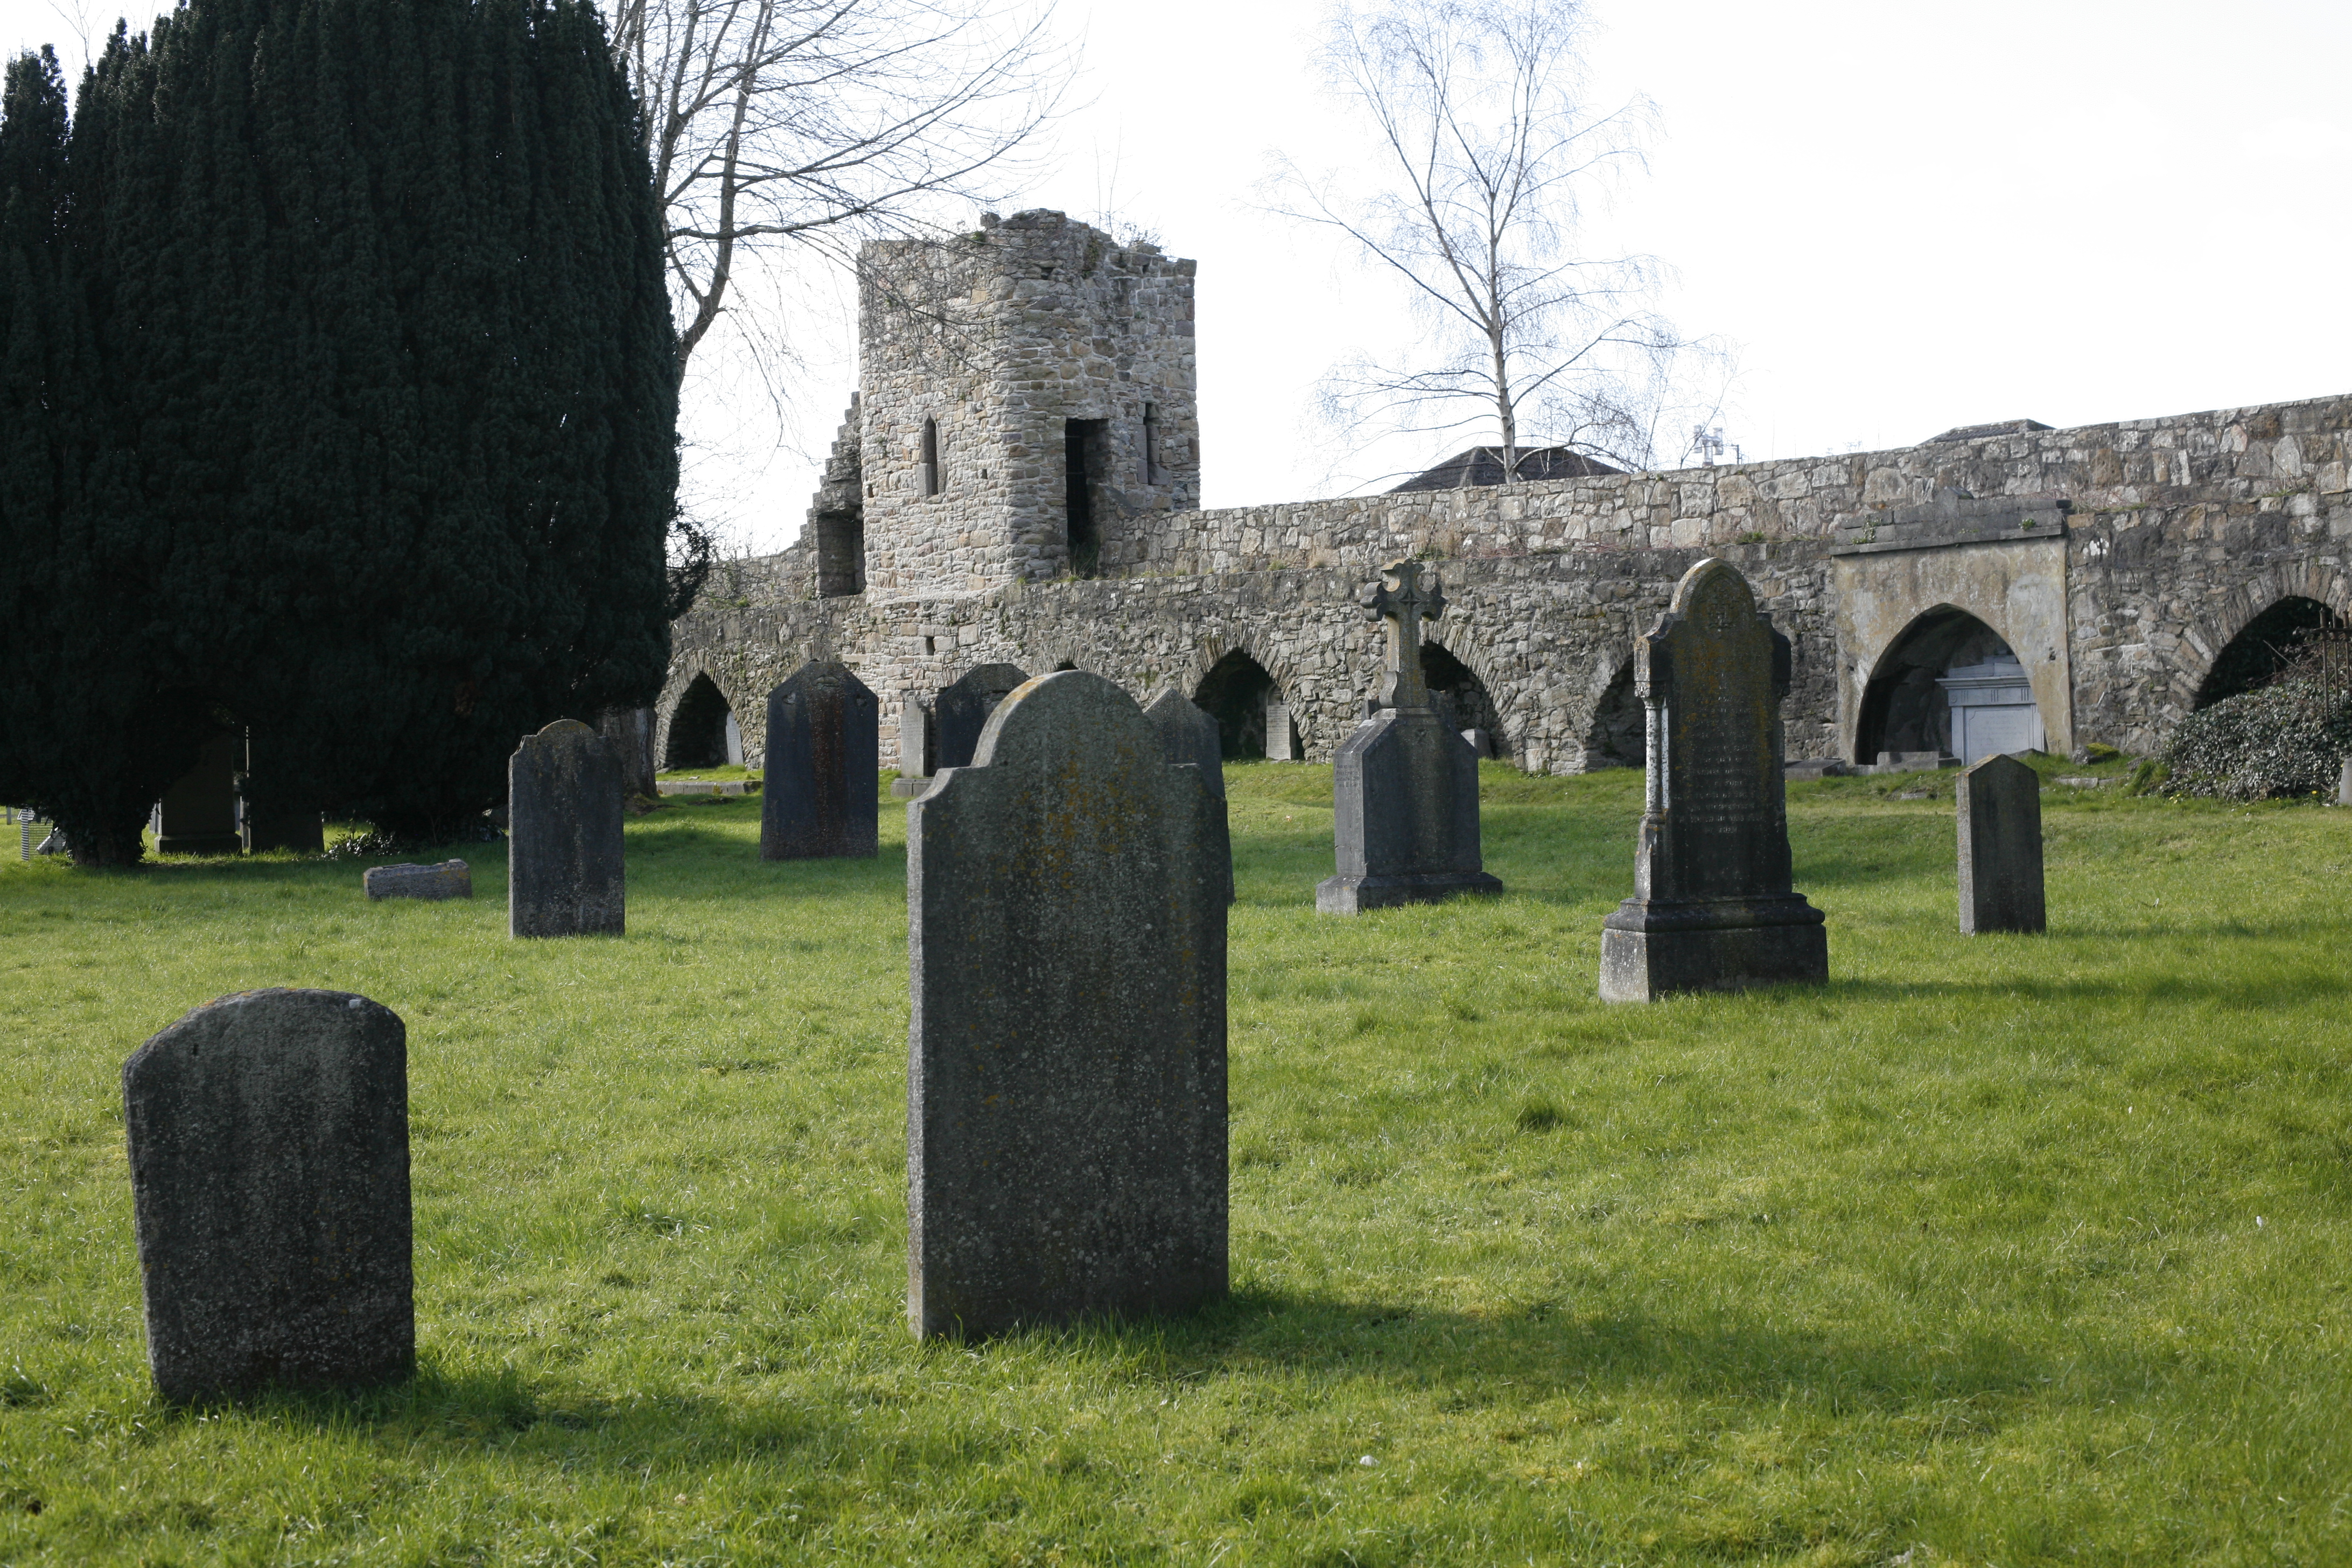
x=2004 y=1250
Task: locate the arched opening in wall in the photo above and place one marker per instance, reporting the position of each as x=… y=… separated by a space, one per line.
x=2270 y=643
x=840 y=554
x=1949 y=687
x=1457 y=693
x=1620 y=735
x=1236 y=692
x=702 y=731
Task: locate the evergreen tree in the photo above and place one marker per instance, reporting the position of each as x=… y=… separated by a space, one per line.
x=374 y=296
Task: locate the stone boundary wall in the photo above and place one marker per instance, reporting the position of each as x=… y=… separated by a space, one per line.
x=2183 y=530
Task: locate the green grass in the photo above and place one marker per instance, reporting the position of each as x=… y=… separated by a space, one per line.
x=2006 y=1251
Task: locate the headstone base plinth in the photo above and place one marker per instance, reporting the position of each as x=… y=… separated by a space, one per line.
x=907 y=789
x=1655 y=950
x=1353 y=895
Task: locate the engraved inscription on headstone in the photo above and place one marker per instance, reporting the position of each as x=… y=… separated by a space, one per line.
x=1405 y=783
x=824 y=747
x=1999 y=804
x=564 y=870
x=1066 y=1082
x=268 y=1146
x=1713 y=907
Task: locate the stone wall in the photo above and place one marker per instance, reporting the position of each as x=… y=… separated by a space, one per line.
x=2180 y=532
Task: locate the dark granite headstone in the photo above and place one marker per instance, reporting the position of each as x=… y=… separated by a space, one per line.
x=449 y=879
x=2000 y=808
x=1404 y=786
x=197 y=816
x=564 y=869
x=824 y=754
x=269 y=1140
x=1713 y=907
x=1189 y=734
x=962 y=710
x=1066 y=1117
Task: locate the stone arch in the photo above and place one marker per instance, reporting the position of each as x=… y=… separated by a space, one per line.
x=1269 y=657
x=1907 y=705
x=1459 y=690
x=2206 y=641
x=1618 y=735
x=699 y=730
x=1235 y=691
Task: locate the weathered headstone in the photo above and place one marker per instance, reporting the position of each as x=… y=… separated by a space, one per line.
x=2344 y=784
x=1188 y=735
x=449 y=879
x=824 y=754
x=1713 y=907
x=1999 y=807
x=1405 y=783
x=269 y=1143
x=1067 y=1093
x=1281 y=730
x=962 y=710
x=914 y=745
x=564 y=869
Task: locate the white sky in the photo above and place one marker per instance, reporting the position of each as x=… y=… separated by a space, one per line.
x=1905 y=217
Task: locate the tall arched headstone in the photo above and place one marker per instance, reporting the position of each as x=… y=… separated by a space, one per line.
x=962 y=710
x=565 y=875
x=1713 y=906
x=1188 y=734
x=1999 y=804
x=269 y=1144
x=1065 y=1120
x=1404 y=785
x=825 y=752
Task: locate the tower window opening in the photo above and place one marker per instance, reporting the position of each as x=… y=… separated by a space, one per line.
x=928 y=472
x=1150 y=454
x=1083 y=469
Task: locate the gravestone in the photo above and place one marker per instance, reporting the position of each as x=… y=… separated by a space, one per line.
x=1066 y=1089
x=198 y=815
x=269 y=1144
x=2344 y=784
x=2000 y=808
x=564 y=869
x=1281 y=730
x=824 y=752
x=1713 y=907
x=1405 y=783
x=449 y=879
x=915 y=744
x=962 y=710
x=1189 y=734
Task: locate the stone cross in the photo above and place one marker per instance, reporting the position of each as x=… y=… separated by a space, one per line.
x=1065 y=1119
x=1998 y=802
x=1407 y=594
x=269 y=1144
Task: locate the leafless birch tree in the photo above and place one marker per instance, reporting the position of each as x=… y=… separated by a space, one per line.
x=1491 y=155
x=818 y=122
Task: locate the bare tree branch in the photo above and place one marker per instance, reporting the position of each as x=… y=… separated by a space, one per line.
x=1492 y=152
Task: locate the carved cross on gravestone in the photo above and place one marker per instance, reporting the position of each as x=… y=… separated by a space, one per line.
x=1406 y=595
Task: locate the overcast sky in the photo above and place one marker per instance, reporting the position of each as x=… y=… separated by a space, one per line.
x=1903 y=218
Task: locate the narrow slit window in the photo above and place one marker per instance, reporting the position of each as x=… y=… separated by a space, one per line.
x=1150 y=444
x=930 y=466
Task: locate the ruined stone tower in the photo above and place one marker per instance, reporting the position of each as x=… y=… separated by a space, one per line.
x=1025 y=411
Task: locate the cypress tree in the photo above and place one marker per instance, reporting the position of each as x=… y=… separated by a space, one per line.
x=373 y=290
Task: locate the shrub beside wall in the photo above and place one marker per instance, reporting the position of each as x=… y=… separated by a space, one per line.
x=2287 y=740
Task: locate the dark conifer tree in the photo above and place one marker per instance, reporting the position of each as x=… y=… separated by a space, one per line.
x=374 y=291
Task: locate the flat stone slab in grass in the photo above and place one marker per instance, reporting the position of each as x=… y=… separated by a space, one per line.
x=1067 y=1086
x=1999 y=804
x=1713 y=906
x=269 y=1143
x=566 y=873
x=449 y=879
x=824 y=752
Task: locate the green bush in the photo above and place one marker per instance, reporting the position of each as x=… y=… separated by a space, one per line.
x=2287 y=740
